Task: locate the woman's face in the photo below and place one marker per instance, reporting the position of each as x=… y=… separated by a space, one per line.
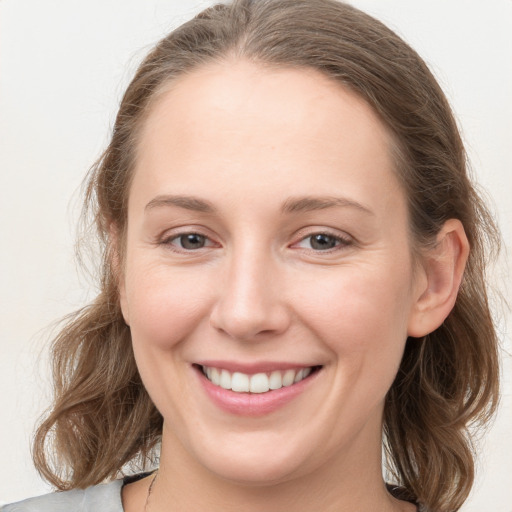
x=267 y=243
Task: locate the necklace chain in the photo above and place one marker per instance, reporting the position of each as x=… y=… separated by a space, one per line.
x=149 y=490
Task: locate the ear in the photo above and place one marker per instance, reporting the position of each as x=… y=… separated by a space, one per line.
x=443 y=267
x=116 y=264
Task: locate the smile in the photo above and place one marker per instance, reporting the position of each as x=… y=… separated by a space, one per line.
x=256 y=383
x=257 y=389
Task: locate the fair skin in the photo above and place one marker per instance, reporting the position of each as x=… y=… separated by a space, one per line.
x=267 y=232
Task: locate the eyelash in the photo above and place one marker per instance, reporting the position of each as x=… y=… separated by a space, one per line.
x=340 y=242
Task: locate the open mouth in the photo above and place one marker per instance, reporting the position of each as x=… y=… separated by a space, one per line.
x=256 y=383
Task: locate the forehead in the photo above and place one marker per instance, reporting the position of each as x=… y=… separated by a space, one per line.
x=252 y=93
x=228 y=124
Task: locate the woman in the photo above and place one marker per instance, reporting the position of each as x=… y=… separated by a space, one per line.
x=293 y=275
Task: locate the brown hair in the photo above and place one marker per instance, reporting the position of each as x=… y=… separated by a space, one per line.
x=102 y=417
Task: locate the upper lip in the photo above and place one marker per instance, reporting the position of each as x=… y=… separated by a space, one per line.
x=253 y=367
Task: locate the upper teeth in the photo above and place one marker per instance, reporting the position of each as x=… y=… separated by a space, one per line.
x=256 y=383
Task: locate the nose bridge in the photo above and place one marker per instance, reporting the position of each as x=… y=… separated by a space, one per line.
x=250 y=302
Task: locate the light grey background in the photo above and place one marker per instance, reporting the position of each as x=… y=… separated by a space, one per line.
x=63 y=67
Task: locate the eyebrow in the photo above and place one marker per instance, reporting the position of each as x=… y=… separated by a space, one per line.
x=186 y=202
x=311 y=203
x=291 y=205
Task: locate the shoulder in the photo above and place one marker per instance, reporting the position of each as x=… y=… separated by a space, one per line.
x=98 y=498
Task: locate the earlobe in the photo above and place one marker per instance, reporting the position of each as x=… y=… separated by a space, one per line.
x=443 y=267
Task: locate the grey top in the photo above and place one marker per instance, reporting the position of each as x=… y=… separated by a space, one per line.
x=103 y=497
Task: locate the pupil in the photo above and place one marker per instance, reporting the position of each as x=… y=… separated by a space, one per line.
x=192 y=241
x=323 y=242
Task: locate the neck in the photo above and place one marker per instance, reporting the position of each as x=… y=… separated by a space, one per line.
x=351 y=481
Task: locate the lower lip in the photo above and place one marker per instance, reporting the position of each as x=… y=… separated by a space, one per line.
x=254 y=404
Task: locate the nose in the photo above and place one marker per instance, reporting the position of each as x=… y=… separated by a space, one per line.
x=250 y=301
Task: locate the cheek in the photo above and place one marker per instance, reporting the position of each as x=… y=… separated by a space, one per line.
x=164 y=306
x=360 y=312
x=366 y=330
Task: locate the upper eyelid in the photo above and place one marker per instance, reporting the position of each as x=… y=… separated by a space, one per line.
x=185 y=230
x=304 y=233
x=342 y=241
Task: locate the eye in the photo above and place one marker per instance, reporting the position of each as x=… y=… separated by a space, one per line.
x=322 y=242
x=189 y=241
x=192 y=241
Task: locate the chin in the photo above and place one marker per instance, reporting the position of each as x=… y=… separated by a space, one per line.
x=247 y=472
x=255 y=462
